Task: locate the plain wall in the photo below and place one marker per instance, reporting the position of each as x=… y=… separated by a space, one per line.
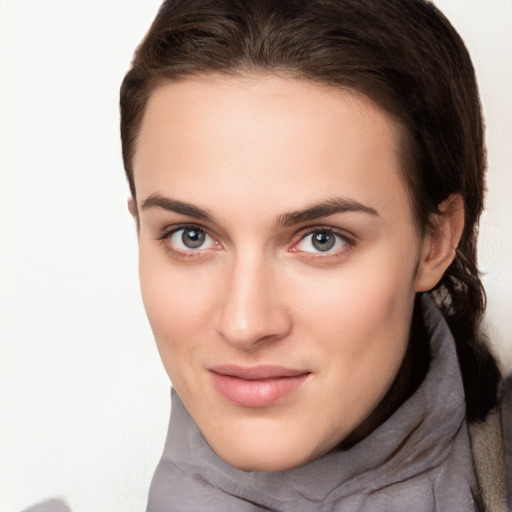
x=84 y=399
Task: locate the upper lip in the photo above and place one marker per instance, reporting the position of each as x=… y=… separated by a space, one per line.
x=257 y=372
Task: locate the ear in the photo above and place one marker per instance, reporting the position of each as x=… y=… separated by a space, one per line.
x=132 y=208
x=440 y=243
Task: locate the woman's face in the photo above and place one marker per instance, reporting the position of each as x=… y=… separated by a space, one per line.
x=278 y=259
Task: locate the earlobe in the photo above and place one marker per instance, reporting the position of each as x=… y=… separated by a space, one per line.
x=440 y=243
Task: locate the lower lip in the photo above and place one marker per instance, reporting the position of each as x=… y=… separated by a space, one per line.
x=259 y=392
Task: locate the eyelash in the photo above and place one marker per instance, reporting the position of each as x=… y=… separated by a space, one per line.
x=348 y=241
x=168 y=232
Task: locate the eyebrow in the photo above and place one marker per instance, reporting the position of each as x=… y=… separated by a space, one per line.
x=314 y=212
x=172 y=205
x=325 y=209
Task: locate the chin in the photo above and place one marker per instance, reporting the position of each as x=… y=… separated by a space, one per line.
x=266 y=456
x=266 y=463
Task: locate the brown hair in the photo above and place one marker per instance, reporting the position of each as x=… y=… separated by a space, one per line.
x=405 y=56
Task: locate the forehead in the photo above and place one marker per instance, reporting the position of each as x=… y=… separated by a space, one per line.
x=233 y=137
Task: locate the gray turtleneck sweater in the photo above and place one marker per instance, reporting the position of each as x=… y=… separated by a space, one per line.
x=418 y=460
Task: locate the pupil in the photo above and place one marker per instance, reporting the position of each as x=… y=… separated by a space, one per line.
x=323 y=241
x=193 y=238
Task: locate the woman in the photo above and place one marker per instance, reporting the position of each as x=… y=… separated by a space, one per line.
x=307 y=178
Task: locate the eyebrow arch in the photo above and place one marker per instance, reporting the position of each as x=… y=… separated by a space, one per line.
x=324 y=209
x=157 y=201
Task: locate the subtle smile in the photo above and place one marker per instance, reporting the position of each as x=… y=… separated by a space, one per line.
x=257 y=386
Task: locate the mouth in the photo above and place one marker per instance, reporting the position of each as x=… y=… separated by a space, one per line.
x=256 y=386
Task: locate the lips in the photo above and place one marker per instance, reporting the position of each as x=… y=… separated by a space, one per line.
x=256 y=386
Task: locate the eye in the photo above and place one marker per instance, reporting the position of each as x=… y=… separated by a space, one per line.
x=190 y=238
x=322 y=241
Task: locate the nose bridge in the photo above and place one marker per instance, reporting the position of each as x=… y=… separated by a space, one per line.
x=251 y=309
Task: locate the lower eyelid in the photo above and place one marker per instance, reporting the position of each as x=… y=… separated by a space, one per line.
x=186 y=255
x=325 y=257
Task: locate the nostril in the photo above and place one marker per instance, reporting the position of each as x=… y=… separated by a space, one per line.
x=250 y=312
x=255 y=331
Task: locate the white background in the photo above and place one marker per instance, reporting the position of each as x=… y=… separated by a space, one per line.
x=84 y=400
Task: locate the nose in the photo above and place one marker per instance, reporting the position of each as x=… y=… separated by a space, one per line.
x=251 y=310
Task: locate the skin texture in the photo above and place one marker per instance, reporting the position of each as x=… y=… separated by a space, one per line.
x=247 y=151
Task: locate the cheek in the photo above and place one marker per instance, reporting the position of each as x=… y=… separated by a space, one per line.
x=177 y=302
x=361 y=331
x=360 y=316
x=357 y=297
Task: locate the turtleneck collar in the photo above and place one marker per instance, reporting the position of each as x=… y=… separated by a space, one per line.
x=421 y=454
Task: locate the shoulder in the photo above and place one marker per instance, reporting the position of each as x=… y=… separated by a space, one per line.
x=491 y=442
